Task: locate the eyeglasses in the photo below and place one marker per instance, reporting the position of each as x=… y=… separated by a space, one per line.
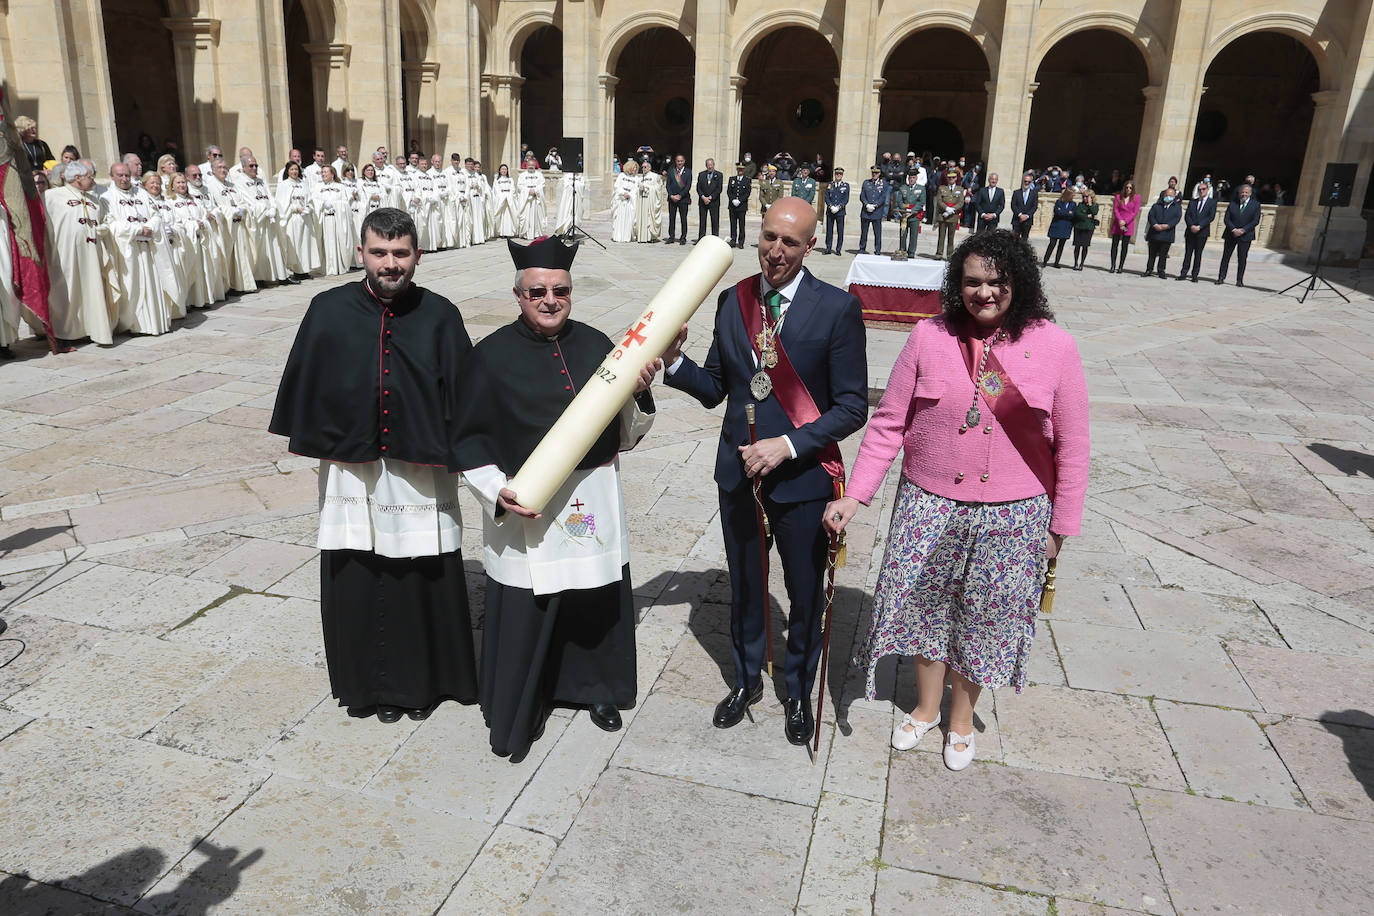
x=534 y=294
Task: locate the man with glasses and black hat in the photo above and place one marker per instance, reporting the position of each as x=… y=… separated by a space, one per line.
x=560 y=621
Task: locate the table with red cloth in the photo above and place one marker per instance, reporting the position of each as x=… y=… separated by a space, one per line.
x=901 y=291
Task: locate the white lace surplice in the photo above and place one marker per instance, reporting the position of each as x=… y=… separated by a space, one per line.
x=392 y=508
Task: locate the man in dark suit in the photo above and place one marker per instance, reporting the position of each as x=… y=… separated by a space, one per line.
x=679 y=196
x=1241 y=220
x=1024 y=201
x=820 y=330
x=990 y=201
x=738 y=193
x=709 y=183
x=1197 y=220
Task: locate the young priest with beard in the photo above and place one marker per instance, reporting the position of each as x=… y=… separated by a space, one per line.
x=370 y=389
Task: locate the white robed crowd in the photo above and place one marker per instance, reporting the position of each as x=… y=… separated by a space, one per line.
x=138 y=253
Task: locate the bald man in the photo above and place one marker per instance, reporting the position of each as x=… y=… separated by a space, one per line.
x=805 y=404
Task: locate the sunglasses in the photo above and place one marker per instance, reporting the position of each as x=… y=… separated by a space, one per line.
x=536 y=293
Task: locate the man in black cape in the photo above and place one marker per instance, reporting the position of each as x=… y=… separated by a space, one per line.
x=559 y=625
x=370 y=389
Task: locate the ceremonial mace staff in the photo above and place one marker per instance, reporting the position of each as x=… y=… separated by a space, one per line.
x=762 y=520
x=834 y=557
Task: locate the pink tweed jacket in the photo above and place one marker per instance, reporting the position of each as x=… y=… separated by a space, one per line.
x=930 y=391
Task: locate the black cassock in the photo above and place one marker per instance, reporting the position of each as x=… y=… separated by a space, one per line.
x=366 y=380
x=575 y=647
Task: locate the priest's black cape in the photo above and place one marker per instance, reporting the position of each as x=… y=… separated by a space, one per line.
x=577 y=647
x=366 y=380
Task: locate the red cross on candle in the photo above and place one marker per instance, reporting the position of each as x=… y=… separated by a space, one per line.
x=578 y=504
x=635 y=335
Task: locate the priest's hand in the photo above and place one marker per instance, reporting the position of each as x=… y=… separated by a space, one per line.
x=838 y=513
x=674 y=350
x=646 y=375
x=764 y=455
x=506 y=500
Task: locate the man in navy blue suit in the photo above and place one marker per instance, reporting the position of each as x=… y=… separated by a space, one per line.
x=1241 y=220
x=1197 y=221
x=709 y=183
x=679 y=196
x=814 y=395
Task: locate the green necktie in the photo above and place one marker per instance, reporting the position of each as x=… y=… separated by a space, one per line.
x=774 y=302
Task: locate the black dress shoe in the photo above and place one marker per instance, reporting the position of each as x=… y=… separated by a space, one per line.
x=826 y=251
x=1218 y=282
x=1192 y=279
x=3 y=626
x=362 y=712
x=731 y=709
x=389 y=714
x=799 y=722
x=605 y=716
x=419 y=715
x=1240 y=282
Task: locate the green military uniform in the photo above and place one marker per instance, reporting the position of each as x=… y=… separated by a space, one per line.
x=909 y=200
x=947 y=197
x=770 y=190
x=805 y=188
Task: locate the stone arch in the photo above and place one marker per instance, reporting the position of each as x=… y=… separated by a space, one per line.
x=935 y=72
x=624 y=32
x=417 y=30
x=937 y=19
x=761 y=26
x=784 y=70
x=1326 y=50
x=508 y=41
x=654 y=73
x=322 y=17
x=1150 y=45
x=142 y=68
x=1089 y=103
x=540 y=66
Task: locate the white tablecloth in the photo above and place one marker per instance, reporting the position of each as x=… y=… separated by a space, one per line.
x=880 y=270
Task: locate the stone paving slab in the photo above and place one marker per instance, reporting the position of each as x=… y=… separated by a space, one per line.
x=704 y=850
x=1333 y=688
x=293 y=848
x=1224 y=754
x=1041 y=832
x=1256 y=859
x=840 y=867
x=502 y=876
x=1332 y=763
x=121 y=799
x=1153 y=663
x=902 y=892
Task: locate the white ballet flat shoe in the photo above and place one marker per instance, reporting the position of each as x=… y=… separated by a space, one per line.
x=904 y=740
x=957 y=760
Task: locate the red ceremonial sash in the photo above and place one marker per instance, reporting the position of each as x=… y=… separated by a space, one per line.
x=28 y=238
x=791 y=391
x=1017 y=417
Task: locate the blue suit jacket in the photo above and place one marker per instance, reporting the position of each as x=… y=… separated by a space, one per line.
x=823 y=335
x=685 y=189
x=1200 y=212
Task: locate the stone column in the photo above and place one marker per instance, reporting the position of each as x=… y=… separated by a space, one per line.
x=854 y=147
x=736 y=115
x=868 y=153
x=364 y=101
x=250 y=90
x=606 y=150
x=457 y=96
x=329 y=61
x=503 y=125
x=60 y=74
x=421 y=77
x=193 y=46
x=582 y=87
x=1009 y=102
x=711 y=111
x=1171 y=103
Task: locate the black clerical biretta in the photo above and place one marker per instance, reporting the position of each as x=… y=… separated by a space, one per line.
x=547 y=252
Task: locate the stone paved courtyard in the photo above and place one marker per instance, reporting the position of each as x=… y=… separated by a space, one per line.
x=1199 y=735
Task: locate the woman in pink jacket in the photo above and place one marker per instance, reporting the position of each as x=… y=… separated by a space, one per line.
x=993 y=479
x=1125 y=209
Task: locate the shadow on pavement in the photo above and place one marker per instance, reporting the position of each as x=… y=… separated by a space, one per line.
x=1348 y=461
x=209 y=884
x=1356 y=731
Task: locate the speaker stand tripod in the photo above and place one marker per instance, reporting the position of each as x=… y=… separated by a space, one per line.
x=1315 y=276
x=575 y=233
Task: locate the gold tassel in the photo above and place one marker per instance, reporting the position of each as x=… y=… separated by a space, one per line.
x=1047 y=593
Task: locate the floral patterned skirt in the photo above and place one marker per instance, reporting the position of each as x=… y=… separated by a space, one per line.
x=960 y=583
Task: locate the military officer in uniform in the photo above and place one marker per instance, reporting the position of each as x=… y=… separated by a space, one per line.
x=770 y=190
x=804 y=186
x=949 y=207
x=836 y=200
x=910 y=201
x=873 y=197
x=737 y=193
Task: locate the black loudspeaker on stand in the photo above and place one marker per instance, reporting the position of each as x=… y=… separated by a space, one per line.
x=1336 y=188
x=571 y=149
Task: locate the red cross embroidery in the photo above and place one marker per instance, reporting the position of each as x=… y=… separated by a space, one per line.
x=578 y=504
x=634 y=335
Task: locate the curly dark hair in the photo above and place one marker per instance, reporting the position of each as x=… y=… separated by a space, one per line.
x=1013 y=258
